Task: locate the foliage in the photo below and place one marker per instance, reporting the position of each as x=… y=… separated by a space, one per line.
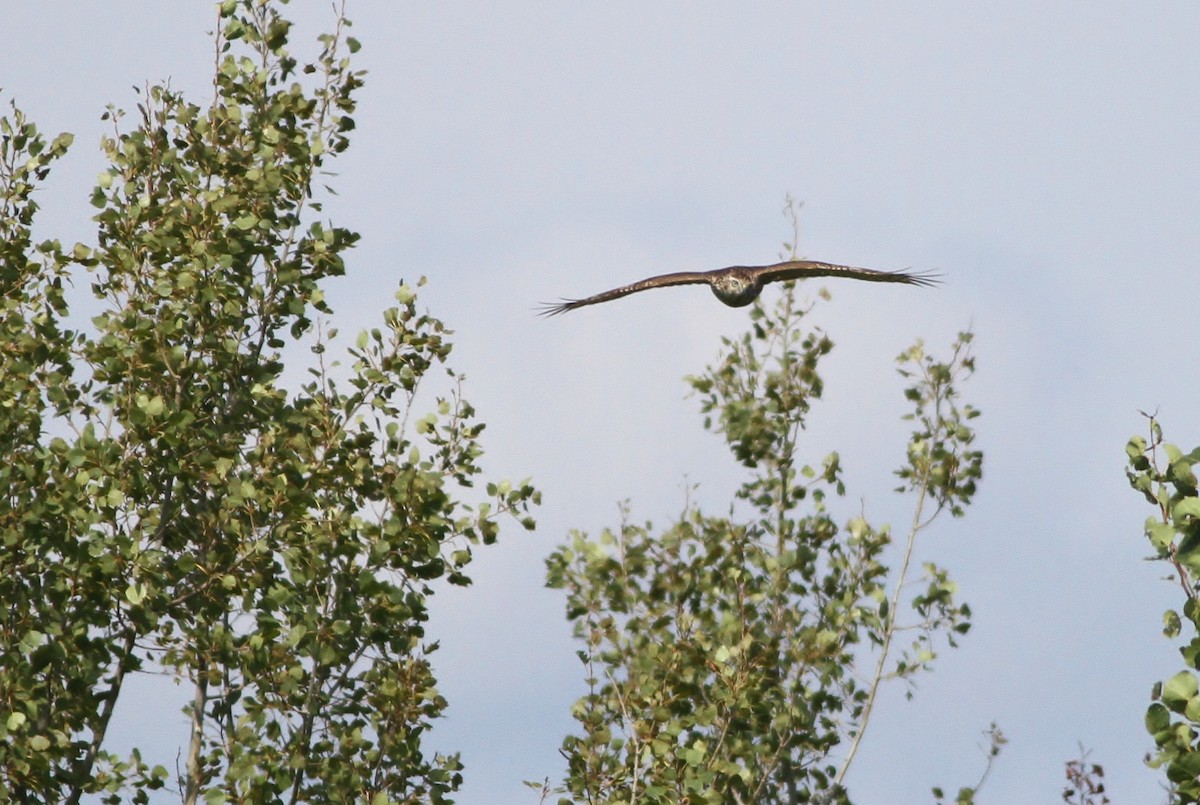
x=1164 y=475
x=1085 y=782
x=722 y=654
x=170 y=506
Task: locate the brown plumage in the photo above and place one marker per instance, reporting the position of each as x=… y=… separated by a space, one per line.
x=737 y=286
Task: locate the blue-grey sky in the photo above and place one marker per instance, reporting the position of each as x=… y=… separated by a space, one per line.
x=1045 y=157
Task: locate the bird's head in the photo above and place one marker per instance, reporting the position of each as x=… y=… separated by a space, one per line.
x=736 y=288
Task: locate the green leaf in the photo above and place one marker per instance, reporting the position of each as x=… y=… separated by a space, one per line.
x=1158 y=719
x=1178 y=690
x=1188 y=552
x=1191 y=711
x=1185 y=770
x=1171 y=623
x=1159 y=533
x=31 y=640
x=1186 y=508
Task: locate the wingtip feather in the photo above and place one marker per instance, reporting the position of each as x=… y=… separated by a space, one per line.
x=549 y=310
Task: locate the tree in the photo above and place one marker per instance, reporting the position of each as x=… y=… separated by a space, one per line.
x=170 y=505
x=1165 y=476
x=722 y=653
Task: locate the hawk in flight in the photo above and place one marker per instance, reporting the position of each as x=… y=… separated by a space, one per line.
x=737 y=286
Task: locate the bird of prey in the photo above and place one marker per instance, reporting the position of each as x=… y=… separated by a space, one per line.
x=737 y=286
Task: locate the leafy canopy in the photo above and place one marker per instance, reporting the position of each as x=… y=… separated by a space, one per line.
x=723 y=654
x=170 y=505
x=1165 y=476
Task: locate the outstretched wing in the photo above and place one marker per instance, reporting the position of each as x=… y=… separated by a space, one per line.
x=661 y=281
x=802 y=269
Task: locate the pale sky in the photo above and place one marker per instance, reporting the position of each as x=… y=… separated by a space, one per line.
x=1044 y=157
